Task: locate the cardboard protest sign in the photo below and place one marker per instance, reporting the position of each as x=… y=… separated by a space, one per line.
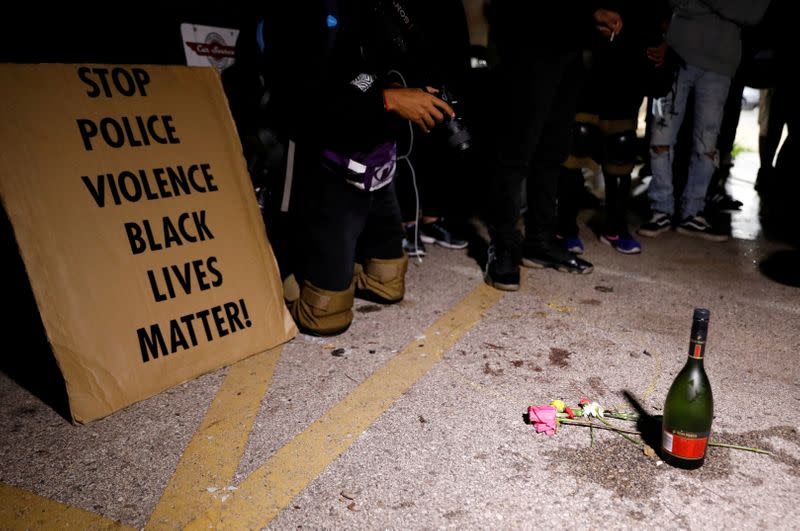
x=138 y=225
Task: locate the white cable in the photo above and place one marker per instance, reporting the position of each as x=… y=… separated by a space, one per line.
x=413 y=173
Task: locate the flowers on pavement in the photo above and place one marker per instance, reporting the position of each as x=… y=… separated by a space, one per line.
x=543 y=419
x=547 y=419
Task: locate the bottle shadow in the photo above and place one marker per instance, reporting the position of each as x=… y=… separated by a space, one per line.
x=648 y=426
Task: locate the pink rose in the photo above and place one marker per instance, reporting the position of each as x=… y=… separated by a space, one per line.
x=543 y=419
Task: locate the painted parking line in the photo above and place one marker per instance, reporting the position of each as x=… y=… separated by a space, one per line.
x=21 y=509
x=211 y=458
x=269 y=489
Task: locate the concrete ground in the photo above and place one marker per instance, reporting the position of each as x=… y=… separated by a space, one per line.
x=413 y=419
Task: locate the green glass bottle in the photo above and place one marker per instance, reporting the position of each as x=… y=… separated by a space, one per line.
x=689 y=408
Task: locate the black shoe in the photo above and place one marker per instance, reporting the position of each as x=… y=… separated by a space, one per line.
x=551 y=255
x=698 y=227
x=722 y=202
x=502 y=269
x=412 y=243
x=659 y=222
x=436 y=233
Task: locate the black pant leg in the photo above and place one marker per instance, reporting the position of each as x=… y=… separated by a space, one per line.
x=382 y=236
x=333 y=217
x=527 y=87
x=552 y=148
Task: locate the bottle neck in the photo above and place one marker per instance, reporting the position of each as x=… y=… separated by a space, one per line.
x=697 y=341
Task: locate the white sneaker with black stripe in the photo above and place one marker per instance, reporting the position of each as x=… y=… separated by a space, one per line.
x=698 y=227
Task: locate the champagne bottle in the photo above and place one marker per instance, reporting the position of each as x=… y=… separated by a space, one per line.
x=689 y=407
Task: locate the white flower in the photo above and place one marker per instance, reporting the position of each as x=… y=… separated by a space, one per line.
x=593 y=409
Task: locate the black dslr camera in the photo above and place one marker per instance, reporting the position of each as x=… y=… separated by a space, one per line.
x=456 y=133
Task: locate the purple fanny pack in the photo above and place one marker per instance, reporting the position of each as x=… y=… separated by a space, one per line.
x=367 y=171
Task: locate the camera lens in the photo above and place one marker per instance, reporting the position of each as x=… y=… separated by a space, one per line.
x=458 y=136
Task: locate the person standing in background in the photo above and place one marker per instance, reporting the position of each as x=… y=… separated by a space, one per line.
x=706 y=34
x=537 y=79
x=620 y=73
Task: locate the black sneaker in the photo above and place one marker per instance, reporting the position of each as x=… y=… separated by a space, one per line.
x=659 y=223
x=698 y=227
x=722 y=202
x=412 y=242
x=552 y=255
x=436 y=233
x=502 y=269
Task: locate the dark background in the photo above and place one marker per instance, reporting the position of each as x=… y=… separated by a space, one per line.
x=115 y=35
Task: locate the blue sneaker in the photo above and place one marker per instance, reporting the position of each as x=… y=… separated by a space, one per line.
x=573 y=244
x=622 y=242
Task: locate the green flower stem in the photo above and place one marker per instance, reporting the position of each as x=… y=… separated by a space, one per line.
x=588 y=425
x=625 y=433
x=577 y=412
x=736 y=447
x=633 y=417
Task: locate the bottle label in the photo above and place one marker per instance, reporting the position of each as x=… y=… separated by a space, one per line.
x=696 y=349
x=684 y=444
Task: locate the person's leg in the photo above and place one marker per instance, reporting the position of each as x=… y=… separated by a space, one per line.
x=531 y=82
x=380 y=273
x=790 y=113
x=668 y=113
x=334 y=213
x=711 y=91
x=585 y=151
x=716 y=196
x=619 y=158
x=540 y=248
x=771 y=119
x=440 y=168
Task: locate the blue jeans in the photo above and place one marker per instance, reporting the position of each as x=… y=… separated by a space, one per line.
x=710 y=92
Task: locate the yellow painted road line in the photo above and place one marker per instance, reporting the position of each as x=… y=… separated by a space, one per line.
x=267 y=491
x=209 y=462
x=21 y=509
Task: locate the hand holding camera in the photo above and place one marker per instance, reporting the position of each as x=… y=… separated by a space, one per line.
x=426 y=108
x=419 y=106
